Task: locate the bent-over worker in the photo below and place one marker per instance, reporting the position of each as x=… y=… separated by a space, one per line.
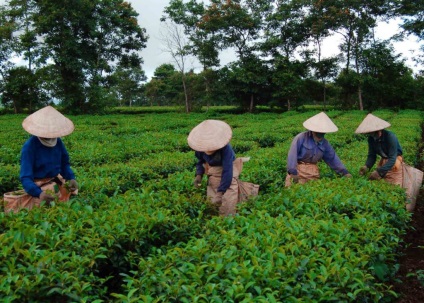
x=216 y=158
x=310 y=147
x=385 y=144
x=45 y=160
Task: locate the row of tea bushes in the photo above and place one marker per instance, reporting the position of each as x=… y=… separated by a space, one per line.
x=407 y=126
x=140 y=232
x=302 y=245
x=75 y=252
x=271 y=250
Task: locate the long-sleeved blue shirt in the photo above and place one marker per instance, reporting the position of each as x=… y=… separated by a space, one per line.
x=223 y=157
x=39 y=161
x=388 y=147
x=305 y=149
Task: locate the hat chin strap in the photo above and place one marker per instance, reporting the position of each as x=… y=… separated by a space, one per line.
x=49 y=142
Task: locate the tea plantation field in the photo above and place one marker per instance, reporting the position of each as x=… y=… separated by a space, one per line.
x=140 y=232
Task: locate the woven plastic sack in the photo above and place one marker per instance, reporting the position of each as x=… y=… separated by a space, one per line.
x=247 y=190
x=412 y=180
x=13 y=201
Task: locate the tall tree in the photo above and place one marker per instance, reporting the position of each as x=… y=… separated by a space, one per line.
x=23 y=13
x=287 y=80
x=387 y=80
x=412 y=13
x=355 y=20
x=7 y=27
x=248 y=80
x=325 y=70
x=239 y=25
x=286 y=29
x=161 y=89
x=203 y=41
x=413 y=16
x=85 y=40
x=175 y=43
x=320 y=27
x=21 y=90
x=418 y=98
x=286 y=34
x=127 y=83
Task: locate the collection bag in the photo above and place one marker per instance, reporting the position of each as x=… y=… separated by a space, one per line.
x=412 y=180
x=19 y=199
x=247 y=190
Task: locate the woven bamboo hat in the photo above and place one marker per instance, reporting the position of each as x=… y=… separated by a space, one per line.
x=371 y=124
x=210 y=135
x=320 y=123
x=48 y=123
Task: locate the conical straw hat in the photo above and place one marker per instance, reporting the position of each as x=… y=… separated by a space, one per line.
x=320 y=123
x=210 y=135
x=48 y=123
x=371 y=124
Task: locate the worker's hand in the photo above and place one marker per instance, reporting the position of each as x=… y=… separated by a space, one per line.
x=73 y=185
x=348 y=175
x=295 y=178
x=217 y=200
x=374 y=176
x=197 y=181
x=46 y=197
x=363 y=170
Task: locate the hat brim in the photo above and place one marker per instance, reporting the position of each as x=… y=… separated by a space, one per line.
x=320 y=123
x=48 y=123
x=209 y=135
x=371 y=124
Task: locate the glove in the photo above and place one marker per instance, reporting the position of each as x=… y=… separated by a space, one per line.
x=374 y=176
x=217 y=200
x=363 y=170
x=197 y=181
x=348 y=175
x=73 y=185
x=295 y=178
x=46 y=197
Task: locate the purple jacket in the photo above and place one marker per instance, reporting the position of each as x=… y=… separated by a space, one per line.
x=305 y=149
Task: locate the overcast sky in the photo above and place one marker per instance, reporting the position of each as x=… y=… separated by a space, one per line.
x=150 y=12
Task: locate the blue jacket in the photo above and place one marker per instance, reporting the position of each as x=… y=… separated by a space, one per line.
x=223 y=157
x=39 y=161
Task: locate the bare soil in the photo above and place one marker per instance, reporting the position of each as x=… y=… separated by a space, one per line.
x=409 y=286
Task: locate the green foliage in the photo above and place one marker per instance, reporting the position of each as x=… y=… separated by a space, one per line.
x=84 y=40
x=86 y=55
x=138 y=231
x=21 y=90
x=269 y=37
x=382 y=71
x=162 y=89
x=414 y=23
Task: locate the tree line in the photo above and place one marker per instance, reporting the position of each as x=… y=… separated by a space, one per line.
x=85 y=54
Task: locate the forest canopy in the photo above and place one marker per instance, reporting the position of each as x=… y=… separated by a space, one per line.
x=85 y=57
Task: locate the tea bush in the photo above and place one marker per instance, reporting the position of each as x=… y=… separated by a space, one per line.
x=140 y=232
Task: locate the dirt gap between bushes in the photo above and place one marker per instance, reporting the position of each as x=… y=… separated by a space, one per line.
x=409 y=287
